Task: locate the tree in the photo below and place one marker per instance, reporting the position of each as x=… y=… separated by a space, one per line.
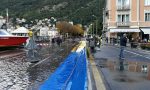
x=65 y=27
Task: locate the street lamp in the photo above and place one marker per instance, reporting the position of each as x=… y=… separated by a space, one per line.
x=104 y=15
x=95 y=22
x=91 y=28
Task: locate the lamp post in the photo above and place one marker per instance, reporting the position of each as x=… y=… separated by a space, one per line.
x=104 y=12
x=91 y=27
x=96 y=22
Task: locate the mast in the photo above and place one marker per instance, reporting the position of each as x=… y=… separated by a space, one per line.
x=7 y=19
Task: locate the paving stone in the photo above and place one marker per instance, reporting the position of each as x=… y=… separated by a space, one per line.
x=20 y=82
x=10 y=83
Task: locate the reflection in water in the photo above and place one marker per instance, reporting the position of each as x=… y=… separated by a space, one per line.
x=143 y=68
x=121 y=65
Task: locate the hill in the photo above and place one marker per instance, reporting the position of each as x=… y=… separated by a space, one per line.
x=80 y=11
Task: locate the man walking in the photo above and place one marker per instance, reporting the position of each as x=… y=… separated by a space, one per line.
x=92 y=45
x=123 y=42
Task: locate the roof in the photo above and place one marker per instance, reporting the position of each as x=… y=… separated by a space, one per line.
x=20 y=30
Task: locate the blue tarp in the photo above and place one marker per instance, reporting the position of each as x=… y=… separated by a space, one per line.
x=79 y=77
x=70 y=75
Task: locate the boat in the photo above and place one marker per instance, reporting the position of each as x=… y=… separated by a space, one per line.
x=9 y=40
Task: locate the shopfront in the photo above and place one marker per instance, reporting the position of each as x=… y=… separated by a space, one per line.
x=116 y=33
x=145 y=35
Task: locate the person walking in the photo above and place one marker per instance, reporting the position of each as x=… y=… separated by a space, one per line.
x=132 y=42
x=106 y=39
x=53 y=41
x=123 y=42
x=92 y=45
x=59 y=41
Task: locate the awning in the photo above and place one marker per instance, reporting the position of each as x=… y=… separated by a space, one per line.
x=124 y=30
x=146 y=30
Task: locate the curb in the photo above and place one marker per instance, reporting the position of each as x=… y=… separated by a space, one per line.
x=96 y=74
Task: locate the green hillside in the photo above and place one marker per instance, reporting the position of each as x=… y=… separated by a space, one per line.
x=80 y=11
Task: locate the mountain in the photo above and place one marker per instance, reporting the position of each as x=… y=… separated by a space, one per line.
x=80 y=11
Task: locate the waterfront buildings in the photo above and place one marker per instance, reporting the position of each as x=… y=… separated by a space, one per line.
x=127 y=16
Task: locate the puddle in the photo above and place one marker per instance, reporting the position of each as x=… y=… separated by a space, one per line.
x=125 y=71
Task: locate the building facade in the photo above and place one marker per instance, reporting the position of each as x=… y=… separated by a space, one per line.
x=127 y=16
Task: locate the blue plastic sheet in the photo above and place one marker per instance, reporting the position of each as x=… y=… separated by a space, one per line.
x=79 y=77
x=70 y=75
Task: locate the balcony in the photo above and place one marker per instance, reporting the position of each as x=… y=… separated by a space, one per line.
x=123 y=8
x=123 y=24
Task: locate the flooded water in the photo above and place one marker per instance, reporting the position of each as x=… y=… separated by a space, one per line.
x=40 y=72
x=125 y=75
x=17 y=73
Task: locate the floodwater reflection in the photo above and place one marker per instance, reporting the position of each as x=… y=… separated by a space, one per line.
x=121 y=65
x=125 y=74
x=125 y=70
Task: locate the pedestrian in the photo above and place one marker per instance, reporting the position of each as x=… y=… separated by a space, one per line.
x=132 y=42
x=99 y=41
x=59 y=41
x=114 y=41
x=92 y=45
x=123 y=42
x=53 y=43
x=106 y=39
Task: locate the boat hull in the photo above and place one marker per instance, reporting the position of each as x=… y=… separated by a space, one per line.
x=10 y=41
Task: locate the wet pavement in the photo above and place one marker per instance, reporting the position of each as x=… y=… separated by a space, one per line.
x=133 y=73
x=16 y=73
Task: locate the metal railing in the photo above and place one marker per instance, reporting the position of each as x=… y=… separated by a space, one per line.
x=123 y=23
x=127 y=7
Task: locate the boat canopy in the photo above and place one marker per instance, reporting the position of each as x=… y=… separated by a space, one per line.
x=4 y=33
x=21 y=30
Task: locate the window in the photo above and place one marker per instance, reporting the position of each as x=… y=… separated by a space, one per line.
x=123 y=18
x=119 y=18
x=119 y=3
x=147 y=2
x=123 y=3
x=127 y=18
x=147 y=16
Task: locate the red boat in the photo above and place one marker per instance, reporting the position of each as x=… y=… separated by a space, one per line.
x=9 y=40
